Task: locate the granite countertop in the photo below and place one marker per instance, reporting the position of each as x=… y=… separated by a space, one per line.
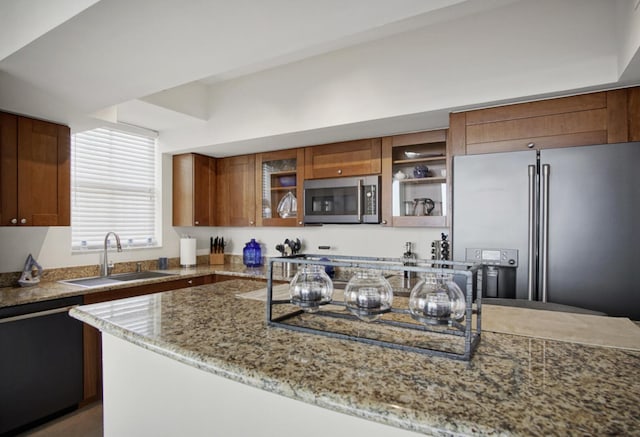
x=49 y=290
x=512 y=386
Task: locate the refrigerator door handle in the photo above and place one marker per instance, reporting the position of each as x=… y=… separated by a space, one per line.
x=531 y=267
x=544 y=230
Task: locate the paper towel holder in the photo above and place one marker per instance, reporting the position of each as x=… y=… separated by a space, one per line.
x=187 y=252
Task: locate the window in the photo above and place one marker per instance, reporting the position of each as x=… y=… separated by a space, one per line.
x=113 y=188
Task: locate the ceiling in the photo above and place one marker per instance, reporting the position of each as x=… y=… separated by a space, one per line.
x=166 y=65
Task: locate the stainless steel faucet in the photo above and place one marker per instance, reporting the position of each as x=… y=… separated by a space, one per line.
x=106 y=270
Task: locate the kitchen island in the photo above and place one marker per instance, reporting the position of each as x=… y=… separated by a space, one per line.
x=205 y=339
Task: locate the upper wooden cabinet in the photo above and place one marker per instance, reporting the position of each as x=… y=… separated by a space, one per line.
x=236 y=194
x=280 y=180
x=414 y=185
x=35 y=176
x=633 y=112
x=194 y=178
x=349 y=158
x=595 y=118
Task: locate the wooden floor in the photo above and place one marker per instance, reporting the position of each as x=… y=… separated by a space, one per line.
x=86 y=422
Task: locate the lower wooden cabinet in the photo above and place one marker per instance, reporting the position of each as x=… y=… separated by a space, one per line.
x=92 y=338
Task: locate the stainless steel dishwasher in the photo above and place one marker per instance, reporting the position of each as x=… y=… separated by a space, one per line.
x=40 y=363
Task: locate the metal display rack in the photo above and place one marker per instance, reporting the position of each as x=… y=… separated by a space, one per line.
x=465 y=335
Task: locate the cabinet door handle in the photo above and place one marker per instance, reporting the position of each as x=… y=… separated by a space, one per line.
x=197 y=222
x=190 y=281
x=23 y=221
x=251 y=222
x=300 y=222
x=384 y=222
x=339 y=171
x=531 y=145
x=14 y=221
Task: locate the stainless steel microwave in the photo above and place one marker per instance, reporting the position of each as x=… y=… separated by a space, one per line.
x=342 y=200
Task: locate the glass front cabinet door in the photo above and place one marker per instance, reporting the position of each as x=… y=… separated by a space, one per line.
x=280 y=182
x=415 y=169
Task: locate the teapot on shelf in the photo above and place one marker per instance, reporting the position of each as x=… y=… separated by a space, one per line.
x=423 y=206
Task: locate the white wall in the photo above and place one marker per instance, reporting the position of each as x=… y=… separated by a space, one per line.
x=356 y=240
x=629 y=37
x=468 y=61
x=22 y=21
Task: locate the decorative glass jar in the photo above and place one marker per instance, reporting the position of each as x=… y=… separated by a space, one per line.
x=436 y=300
x=252 y=254
x=310 y=288
x=368 y=294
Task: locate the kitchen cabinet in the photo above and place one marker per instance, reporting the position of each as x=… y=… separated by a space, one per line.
x=633 y=108
x=280 y=177
x=34 y=172
x=194 y=178
x=595 y=118
x=236 y=196
x=349 y=158
x=92 y=340
x=415 y=191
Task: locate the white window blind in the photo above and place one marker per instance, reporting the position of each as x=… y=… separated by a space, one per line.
x=113 y=188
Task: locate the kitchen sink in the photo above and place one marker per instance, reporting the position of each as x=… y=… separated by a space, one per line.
x=98 y=281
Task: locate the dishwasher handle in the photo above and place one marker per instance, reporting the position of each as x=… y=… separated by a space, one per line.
x=36 y=314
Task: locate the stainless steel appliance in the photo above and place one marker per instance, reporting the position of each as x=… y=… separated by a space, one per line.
x=572 y=213
x=499 y=271
x=342 y=200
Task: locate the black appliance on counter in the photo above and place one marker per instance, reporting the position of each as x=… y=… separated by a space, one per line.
x=41 y=373
x=572 y=214
x=342 y=200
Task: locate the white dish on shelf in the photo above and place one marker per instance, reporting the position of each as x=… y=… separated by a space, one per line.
x=416 y=155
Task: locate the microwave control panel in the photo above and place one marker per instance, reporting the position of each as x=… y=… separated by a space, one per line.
x=370 y=200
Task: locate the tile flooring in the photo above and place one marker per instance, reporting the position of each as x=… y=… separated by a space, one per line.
x=85 y=422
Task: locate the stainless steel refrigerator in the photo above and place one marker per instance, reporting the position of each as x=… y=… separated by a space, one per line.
x=572 y=214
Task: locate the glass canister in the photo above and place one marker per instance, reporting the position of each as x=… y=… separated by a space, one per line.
x=436 y=300
x=310 y=288
x=252 y=254
x=368 y=294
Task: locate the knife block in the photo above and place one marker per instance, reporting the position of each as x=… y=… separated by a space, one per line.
x=216 y=259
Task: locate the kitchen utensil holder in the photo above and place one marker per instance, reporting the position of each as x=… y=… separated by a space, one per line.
x=216 y=259
x=396 y=329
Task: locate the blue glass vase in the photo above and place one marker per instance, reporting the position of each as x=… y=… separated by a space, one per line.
x=252 y=254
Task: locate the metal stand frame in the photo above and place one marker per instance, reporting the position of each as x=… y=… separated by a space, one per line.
x=472 y=274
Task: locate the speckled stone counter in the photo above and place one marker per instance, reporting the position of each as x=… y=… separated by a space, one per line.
x=513 y=385
x=51 y=289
